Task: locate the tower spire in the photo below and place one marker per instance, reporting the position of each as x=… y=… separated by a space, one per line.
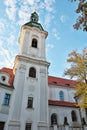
x=34 y=17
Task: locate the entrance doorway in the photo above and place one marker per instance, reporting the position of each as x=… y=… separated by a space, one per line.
x=2 y=125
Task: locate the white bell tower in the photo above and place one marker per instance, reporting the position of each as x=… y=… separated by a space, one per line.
x=32 y=39
x=29 y=109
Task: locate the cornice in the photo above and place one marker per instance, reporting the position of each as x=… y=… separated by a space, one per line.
x=5 y=86
x=30 y=60
x=34 y=28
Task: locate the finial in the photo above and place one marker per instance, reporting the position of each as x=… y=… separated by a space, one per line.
x=34 y=16
x=35 y=9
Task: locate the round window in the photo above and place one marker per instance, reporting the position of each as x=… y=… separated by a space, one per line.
x=3 y=78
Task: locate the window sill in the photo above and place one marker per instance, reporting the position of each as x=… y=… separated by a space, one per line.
x=34 y=47
x=30 y=109
x=32 y=79
x=5 y=109
x=5 y=105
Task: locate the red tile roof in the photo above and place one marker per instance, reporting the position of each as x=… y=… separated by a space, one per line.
x=62 y=103
x=61 y=81
x=10 y=72
x=51 y=79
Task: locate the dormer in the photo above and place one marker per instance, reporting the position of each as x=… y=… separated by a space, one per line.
x=6 y=77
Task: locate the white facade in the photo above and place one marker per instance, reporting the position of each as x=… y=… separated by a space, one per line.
x=68 y=93
x=34 y=99
x=6 y=91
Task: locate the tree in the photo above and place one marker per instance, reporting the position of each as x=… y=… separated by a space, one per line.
x=81 y=22
x=78 y=70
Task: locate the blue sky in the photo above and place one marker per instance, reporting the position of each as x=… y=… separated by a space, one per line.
x=57 y=18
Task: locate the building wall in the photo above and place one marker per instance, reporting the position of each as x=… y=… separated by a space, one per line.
x=25 y=43
x=62 y=112
x=4 y=109
x=55 y=90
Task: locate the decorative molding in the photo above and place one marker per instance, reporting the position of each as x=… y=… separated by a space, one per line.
x=31 y=88
x=35 y=29
x=32 y=80
x=43 y=124
x=14 y=123
x=30 y=60
x=43 y=70
x=22 y=67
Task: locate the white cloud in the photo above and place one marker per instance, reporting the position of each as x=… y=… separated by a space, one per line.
x=49 y=5
x=42 y=5
x=0 y=43
x=10 y=2
x=11 y=13
x=48 y=18
x=11 y=39
x=56 y=34
x=32 y=2
x=2 y=25
x=49 y=47
x=7 y=58
x=10 y=8
x=63 y=18
x=23 y=14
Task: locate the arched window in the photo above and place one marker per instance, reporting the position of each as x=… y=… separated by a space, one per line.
x=65 y=121
x=73 y=115
x=34 y=42
x=32 y=72
x=53 y=119
x=61 y=95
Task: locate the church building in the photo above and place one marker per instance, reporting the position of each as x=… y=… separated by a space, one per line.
x=30 y=99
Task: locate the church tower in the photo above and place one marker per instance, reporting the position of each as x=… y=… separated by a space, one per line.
x=29 y=109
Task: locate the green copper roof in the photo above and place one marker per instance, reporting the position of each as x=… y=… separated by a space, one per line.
x=34 y=21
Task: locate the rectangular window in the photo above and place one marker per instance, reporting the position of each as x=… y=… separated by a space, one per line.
x=7 y=99
x=28 y=126
x=30 y=102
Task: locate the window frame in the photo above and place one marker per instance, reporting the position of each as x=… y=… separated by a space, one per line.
x=3 y=78
x=53 y=117
x=6 y=100
x=61 y=95
x=30 y=103
x=73 y=116
x=34 y=43
x=28 y=126
x=32 y=72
